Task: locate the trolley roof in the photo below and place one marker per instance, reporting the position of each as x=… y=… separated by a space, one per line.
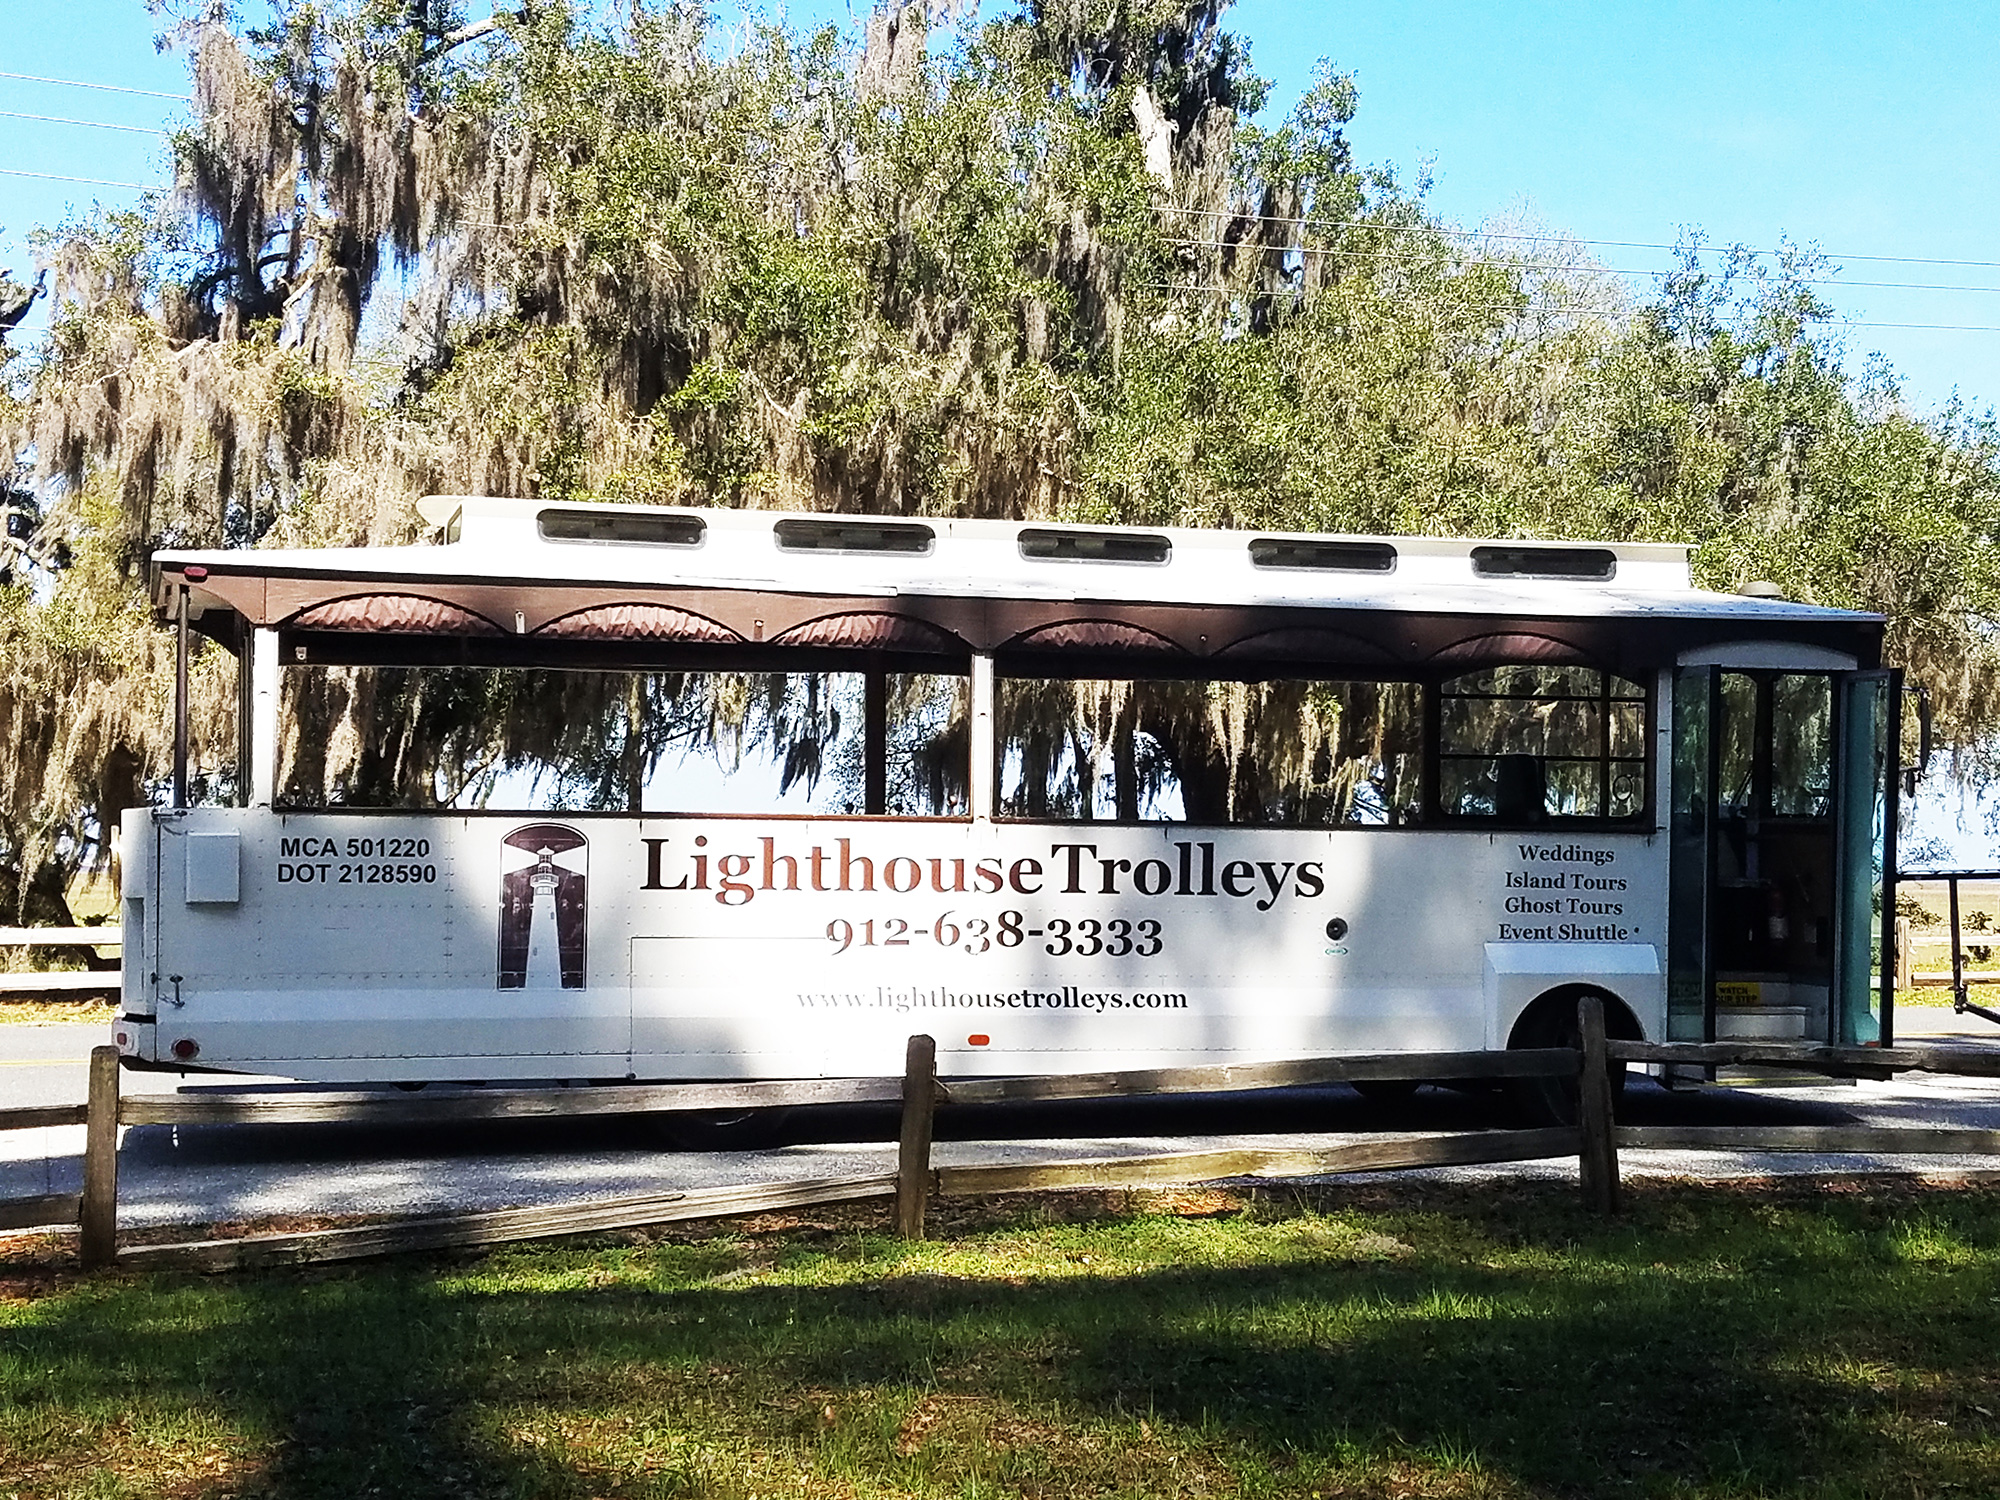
x=563 y=583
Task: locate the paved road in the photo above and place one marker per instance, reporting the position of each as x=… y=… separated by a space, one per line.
x=196 y=1175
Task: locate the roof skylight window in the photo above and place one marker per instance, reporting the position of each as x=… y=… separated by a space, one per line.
x=830 y=534
x=1047 y=544
x=1577 y=564
x=1328 y=556
x=641 y=528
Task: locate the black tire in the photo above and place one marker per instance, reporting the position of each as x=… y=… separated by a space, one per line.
x=1550 y=1021
x=1387 y=1090
x=723 y=1130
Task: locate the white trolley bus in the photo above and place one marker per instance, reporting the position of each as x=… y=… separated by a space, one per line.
x=1067 y=798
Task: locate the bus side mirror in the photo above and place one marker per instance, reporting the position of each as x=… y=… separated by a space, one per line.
x=1914 y=773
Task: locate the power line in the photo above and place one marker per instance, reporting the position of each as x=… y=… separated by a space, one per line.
x=1360 y=224
x=1352 y=224
x=1509 y=307
x=1558 y=312
x=109 y=88
x=1554 y=239
x=1393 y=258
x=14 y=114
x=87 y=181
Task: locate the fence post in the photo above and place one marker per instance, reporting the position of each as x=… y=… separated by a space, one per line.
x=1905 y=959
x=98 y=1244
x=1597 y=1158
x=913 y=1159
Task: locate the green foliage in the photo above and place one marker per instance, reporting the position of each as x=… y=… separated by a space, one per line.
x=956 y=274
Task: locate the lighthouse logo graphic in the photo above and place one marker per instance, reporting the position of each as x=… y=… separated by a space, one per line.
x=544 y=907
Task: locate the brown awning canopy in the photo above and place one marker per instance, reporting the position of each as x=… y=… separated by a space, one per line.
x=405 y=621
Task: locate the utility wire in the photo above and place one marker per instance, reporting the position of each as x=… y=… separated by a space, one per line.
x=1394 y=258
x=87 y=181
x=1210 y=213
x=1545 y=310
x=109 y=88
x=1555 y=239
x=14 y=114
x=1351 y=224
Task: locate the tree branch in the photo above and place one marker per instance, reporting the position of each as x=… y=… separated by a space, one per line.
x=470 y=33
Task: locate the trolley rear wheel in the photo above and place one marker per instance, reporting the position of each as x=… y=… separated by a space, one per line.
x=1386 y=1090
x=1550 y=1021
x=723 y=1129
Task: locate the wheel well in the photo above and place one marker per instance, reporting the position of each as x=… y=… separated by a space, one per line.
x=1549 y=1020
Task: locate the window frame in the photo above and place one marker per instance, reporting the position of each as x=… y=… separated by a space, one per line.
x=1301 y=672
x=1427 y=812
x=1763 y=744
x=1644 y=819
x=1430 y=815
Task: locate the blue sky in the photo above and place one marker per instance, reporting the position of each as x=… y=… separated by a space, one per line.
x=1867 y=129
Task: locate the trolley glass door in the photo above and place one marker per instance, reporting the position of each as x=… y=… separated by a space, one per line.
x=1781 y=819
x=1691 y=857
x=1863 y=982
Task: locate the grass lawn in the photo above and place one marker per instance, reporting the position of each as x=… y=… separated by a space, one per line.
x=1397 y=1340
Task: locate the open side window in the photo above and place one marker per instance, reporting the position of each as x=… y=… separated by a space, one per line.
x=1522 y=744
x=542 y=740
x=1298 y=753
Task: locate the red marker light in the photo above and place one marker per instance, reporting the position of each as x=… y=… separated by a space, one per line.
x=194 y=574
x=978 y=1039
x=187 y=1049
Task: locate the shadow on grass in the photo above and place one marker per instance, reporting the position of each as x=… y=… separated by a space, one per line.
x=1709 y=1345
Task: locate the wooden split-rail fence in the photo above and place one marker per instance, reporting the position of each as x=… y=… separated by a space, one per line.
x=60 y=981
x=1595 y=1140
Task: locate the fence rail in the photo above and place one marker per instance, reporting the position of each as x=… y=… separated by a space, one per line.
x=61 y=937
x=360 y=1106
x=50 y=981
x=61 y=981
x=1976 y=1062
x=33 y=1213
x=1595 y=1141
x=501 y=1226
x=1824 y=1140
x=365 y=1107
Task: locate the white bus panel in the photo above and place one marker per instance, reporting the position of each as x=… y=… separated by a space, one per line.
x=353 y=947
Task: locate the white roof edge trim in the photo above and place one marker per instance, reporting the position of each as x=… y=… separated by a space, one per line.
x=437 y=510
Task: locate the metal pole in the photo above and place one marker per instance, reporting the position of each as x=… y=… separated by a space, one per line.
x=264 y=669
x=875 y=742
x=981 y=770
x=246 y=745
x=1958 y=996
x=181 y=699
